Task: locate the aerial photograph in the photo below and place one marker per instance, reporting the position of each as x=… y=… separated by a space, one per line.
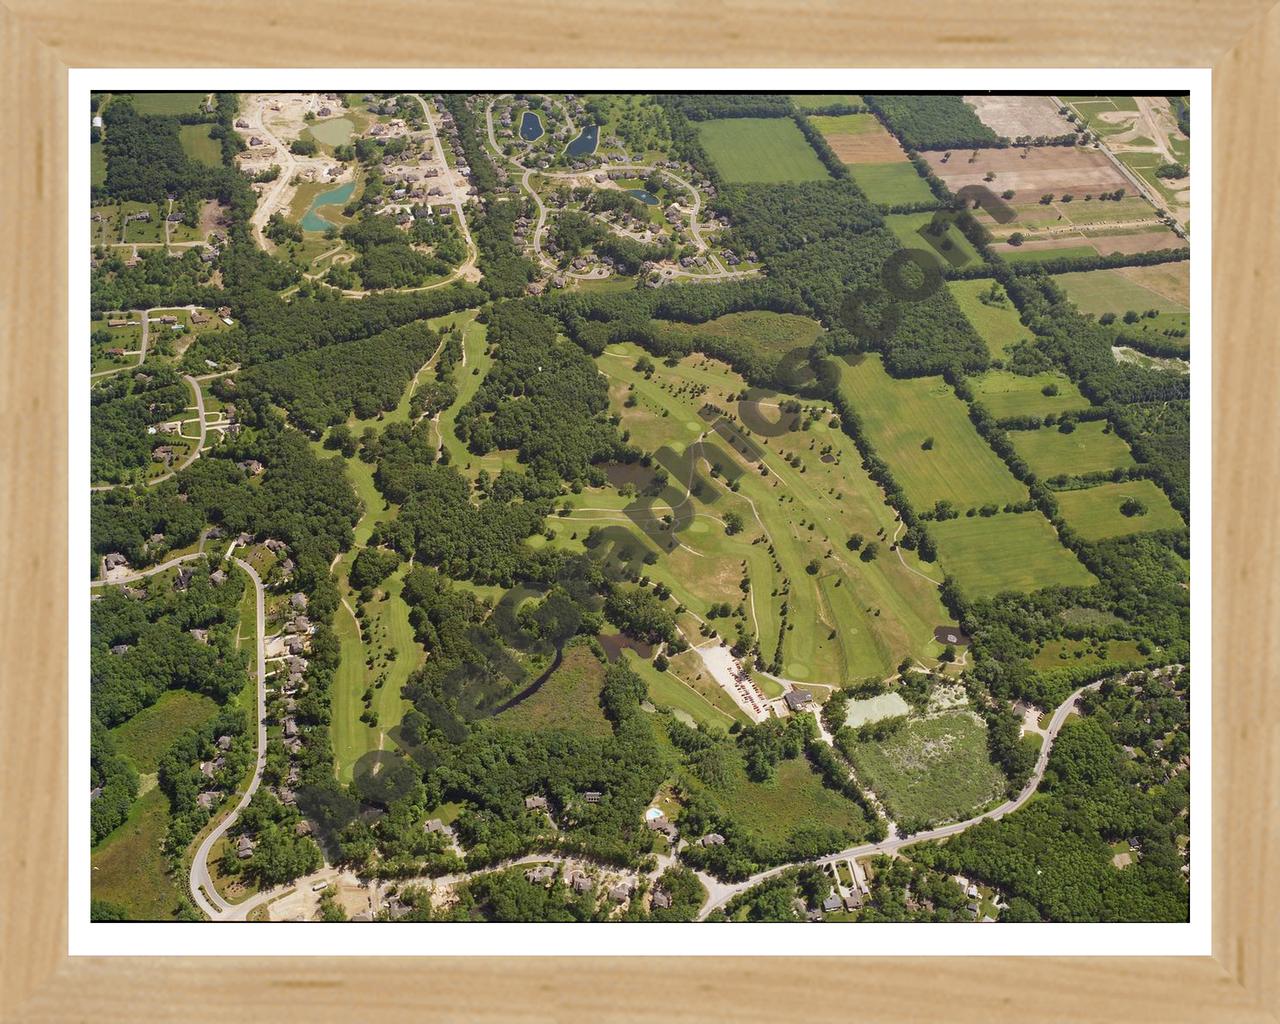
x=638 y=507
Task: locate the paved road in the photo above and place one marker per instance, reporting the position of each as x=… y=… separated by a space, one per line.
x=195 y=452
x=133 y=575
x=200 y=882
x=721 y=893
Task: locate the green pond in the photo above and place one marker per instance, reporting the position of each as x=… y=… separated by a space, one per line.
x=333 y=133
x=530 y=126
x=646 y=197
x=313 y=221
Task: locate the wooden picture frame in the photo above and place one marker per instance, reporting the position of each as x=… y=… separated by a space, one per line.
x=39 y=41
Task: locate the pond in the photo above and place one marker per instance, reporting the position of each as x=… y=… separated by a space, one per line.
x=530 y=126
x=873 y=709
x=646 y=197
x=585 y=143
x=313 y=221
x=333 y=133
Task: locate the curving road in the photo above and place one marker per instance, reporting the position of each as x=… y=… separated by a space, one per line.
x=200 y=882
x=721 y=893
x=195 y=452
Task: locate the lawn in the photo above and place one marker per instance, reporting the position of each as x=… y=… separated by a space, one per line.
x=129 y=869
x=1006 y=395
x=794 y=799
x=569 y=700
x=951 y=245
x=1095 y=514
x=930 y=770
x=144 y=230
x=891 y=183
x=900 y=416
x=197 y=144
x=1010 y=551
x=760 y=149
x=998 y=323
x=147 y=736
x=1090 y=448
x=97 y=164
x=670 y=689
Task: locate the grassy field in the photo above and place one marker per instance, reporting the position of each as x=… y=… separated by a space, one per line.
x=998 y=325
x=145 y=737
x=1095 y=514
x=763 y=332
x=900 y=415
x=932 y=769
x=760 y=149
x=670 y=689
x=167 y=102
x=1005 y=394
x=848 y=620
x=1090 y=448
x=97 y=164
x=568 y=700
x=1066 y=653
x=197 y=144
x=1021 y=551
x=144 y=230
x=794 y=799
x=817 y=101
x=1025 y=255
x=1115 y=291
x=891 y=184
x=952 y=245
x=129 y=869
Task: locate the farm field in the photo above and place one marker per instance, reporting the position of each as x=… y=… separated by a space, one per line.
x=1036 y=252
x=860 y=139
x=911 y=229
x=760 y=150
x=1121 y=289
x=997 y=324
x=931 y=770
x=1095 y=514
x=1030 y=173
x=166 y=102
x=900 y=415
x=1013 y=117
x=763 y=332
x=1089 y=448
x=891 y=183
x=1018 y=551
x=1005 y=394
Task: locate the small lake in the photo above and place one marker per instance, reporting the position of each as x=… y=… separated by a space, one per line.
x=646 y=197
x=585 y=143
x=873 y=709
x=313 y=221
x=530 y=126
x=333 y=133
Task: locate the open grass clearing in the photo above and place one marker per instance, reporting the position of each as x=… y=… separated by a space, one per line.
x=890 y=183
x=1005 y=394
x=1090 y=448
x=1068 y=653
x=1094 y=512
x=761 y=331
x=1010 y=551
x=569 y=700
x=997 y=322
x=911 y=229
x=765 y=150
x=197 y=144
x=166 y=103
x=147 y=736
x=931 y=769
x=129 y=869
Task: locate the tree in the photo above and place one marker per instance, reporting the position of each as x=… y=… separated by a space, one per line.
x=870 y=552
x=1133 y=507
x=732 y=523
x=1017 y=238
x=854 y=542
x=813 y=567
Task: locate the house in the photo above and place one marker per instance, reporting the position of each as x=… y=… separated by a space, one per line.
x=621 y=892
x=202 y=635
x=303 y=828
x=580 y=882
x=224 y=742
x=244 y=848
x=434 y=825
x=541 y=875
x=853 y=901
x=207 y=769
x=298 y=602
x=251 y=466
x=661 y=900
x=711 y=839
x=183 y=579
x=120 y=649
x=209 y=799
x=114 y=561
x=273 y=545
x=296 y=645
x=290 y=727
x=798 y=699
x=832 y=902
x=592 y=796
x=200 y=318
x=218 y=577
x=535 y=803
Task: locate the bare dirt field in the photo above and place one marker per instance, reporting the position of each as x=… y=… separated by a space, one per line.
x=1014 y=116
x=1172 y=280
x=871 y=147
x=1038 y=170
x=1145 y=241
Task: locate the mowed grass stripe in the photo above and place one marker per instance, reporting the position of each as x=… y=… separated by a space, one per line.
x=1095 y=514
x=988 y=555
x=899 y=415
x=1090 y=448
x=766 y=150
